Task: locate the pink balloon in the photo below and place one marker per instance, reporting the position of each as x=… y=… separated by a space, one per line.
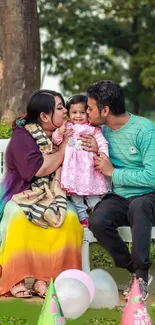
x=81 y=276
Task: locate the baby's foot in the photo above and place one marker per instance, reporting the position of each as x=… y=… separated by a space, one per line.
x=84 y=223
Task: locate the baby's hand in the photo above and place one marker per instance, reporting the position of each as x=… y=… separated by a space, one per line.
x=62 y=128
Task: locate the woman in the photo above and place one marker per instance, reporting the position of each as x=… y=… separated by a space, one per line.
x=29 y=250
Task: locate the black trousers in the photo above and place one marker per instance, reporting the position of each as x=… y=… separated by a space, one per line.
x=138 y=213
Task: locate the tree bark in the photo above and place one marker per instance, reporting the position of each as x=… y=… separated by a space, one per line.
x=19 y=55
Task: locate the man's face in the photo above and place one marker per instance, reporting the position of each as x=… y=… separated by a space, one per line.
x=95 y=117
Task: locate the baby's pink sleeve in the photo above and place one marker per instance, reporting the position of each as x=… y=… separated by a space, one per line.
x=56 y=137
x=101 y=141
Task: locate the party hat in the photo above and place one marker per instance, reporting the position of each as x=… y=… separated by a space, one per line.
x=51 y=313
x=135 y=312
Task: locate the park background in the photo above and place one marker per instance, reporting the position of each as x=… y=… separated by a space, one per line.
x=66 y=45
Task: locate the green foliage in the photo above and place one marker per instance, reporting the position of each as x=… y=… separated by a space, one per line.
x=152 y=251
x=87 y=41
x=100 y=258
x=6 y=320
x=5 y=130
x=153 y=310
x=102 y=321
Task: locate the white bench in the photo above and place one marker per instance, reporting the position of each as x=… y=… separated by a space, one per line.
x=3 y=146
x=88 y=238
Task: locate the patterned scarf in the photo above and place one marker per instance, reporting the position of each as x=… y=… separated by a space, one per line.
x=45 y=203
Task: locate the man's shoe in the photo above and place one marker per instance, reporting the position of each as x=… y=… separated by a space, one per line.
x=143 y=285
x=127 y=290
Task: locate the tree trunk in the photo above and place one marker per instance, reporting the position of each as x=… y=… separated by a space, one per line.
x=19 y=55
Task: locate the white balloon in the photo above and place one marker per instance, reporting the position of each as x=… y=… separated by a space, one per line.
x=106 y=291
x=80 y=276
x=73 y=296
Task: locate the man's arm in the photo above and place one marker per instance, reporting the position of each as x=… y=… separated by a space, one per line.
x=139 y=177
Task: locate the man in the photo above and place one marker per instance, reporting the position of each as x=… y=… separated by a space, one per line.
x=132 y=171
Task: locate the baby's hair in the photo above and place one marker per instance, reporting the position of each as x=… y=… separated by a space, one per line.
x=76 y=99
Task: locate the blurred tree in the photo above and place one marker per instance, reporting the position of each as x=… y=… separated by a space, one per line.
x=87 y=41
x=19 y=55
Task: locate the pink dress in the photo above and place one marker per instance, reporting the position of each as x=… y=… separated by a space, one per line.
x=78 y=174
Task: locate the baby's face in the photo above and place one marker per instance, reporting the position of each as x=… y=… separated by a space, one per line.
x=77 y=114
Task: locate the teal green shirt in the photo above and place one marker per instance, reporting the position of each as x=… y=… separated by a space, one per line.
x=132 y=152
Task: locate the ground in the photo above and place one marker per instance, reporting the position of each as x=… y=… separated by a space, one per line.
x=29 y=309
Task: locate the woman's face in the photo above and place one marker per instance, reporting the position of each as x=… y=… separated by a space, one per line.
x=60 y=113
x=49 y=122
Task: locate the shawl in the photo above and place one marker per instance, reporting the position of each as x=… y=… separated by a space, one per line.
x=45 y=203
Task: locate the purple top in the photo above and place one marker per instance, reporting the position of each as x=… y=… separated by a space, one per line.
x=23 y=160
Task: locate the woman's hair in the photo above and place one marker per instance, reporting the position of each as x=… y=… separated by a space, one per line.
x=76 y=99
x=40 y=101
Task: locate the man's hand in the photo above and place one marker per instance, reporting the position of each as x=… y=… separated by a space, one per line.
x=103 y=165
x=89 y=143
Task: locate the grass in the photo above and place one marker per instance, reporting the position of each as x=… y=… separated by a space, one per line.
x=17 y=312
x=98 y=317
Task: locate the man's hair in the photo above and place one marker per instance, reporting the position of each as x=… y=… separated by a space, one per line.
x=108 y=93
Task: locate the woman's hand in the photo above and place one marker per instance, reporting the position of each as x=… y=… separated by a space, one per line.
x=89 y=143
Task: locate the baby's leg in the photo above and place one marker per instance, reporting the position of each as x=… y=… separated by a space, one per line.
x=81 y=208
x=92 y=200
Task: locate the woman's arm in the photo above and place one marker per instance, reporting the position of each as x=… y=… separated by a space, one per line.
x=52 y=162
x=27 y=158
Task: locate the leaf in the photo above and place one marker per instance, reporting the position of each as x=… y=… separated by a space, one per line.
x=87 y=41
